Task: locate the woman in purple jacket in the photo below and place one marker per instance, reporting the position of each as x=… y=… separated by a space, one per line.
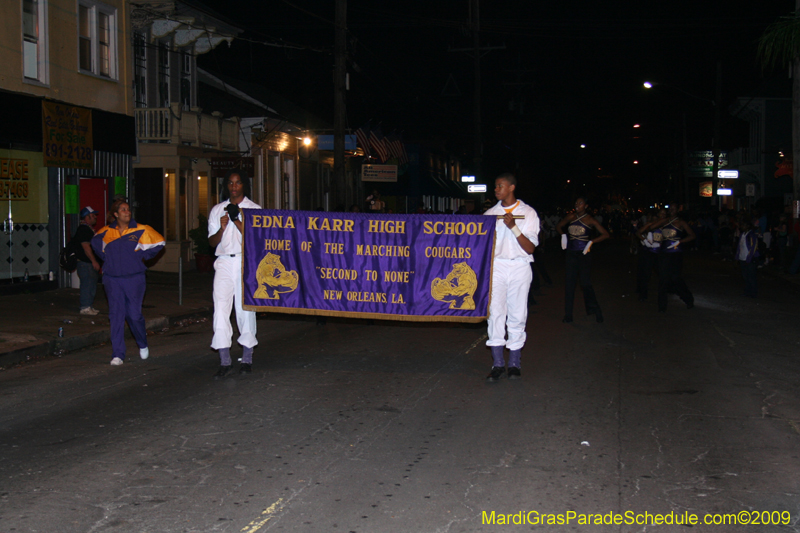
x=124 y=245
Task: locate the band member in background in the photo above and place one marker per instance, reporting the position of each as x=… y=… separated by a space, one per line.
x=674 y=233
x=574 y=229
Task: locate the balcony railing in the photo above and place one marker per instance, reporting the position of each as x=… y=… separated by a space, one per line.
x=178 y=126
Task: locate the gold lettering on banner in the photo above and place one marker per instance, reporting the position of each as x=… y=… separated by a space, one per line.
x=391 y=276
x=448 y=252
x=367 y=297
x=332 y=295
x=326 y=224
x=278 y=245
x=337 y=273
x=387 y=226
x=383 y=250
x=273 y=221
x=334 y=248
x=453 y=228
x=398 y=299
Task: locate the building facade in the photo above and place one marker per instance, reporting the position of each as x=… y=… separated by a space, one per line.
x=68 y=139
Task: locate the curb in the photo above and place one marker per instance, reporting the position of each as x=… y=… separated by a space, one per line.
x=61 y=346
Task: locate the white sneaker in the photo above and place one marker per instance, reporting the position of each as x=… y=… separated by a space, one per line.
x=144 y=353
x=116 y=361
x=96 y=311
x=89 y=311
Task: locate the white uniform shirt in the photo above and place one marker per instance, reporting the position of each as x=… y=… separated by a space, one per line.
x=231 y=242
x=506 y=245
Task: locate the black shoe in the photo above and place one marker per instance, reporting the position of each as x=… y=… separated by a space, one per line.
x=689 y=305
x=599 y=316
x=567 y=319
x=222 y=372
x=514 y=373
x=496 y=373
x=245 y=368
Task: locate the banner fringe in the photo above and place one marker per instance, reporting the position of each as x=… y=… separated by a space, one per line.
x=376 y=316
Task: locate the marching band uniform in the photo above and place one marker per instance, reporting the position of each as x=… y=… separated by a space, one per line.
x=511 y=279
x=670 y=265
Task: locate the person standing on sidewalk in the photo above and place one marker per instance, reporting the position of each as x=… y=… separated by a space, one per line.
x=515 y=241
x=746 y=254
x=88 y=266
x=225 y=228
x=123 y=246
x=674 y=234
x=574 y=229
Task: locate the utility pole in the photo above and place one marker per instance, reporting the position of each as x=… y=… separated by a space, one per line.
x=715 y=141
x=339 y=104
x=475 y=50
x=476 y=45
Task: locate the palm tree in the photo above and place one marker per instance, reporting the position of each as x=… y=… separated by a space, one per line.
x=777 y=47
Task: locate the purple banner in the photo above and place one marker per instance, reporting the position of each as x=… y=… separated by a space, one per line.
x=394 y=267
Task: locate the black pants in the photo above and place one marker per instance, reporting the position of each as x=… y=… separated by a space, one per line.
x=539 y=271
x=579 y=266
x=670 y=279
x=749 y=274
x=644 y=268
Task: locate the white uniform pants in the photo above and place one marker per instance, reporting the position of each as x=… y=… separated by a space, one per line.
x=227 y=290
x=509 y=308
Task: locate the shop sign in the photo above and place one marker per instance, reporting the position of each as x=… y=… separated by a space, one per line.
x=67 y=136
x=23 y=185
x=221 y=165
x=384 y=173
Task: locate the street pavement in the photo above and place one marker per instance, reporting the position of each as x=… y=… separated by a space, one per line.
x=385 y=427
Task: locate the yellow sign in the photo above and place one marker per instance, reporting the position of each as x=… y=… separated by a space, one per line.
x=23 y=181
x=67 y=136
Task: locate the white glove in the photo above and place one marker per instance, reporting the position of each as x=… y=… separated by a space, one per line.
x=650 y=237
x=674 y=245
x=588 y=247
x=564 y=241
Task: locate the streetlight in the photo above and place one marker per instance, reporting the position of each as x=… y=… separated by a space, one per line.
x=714 y=140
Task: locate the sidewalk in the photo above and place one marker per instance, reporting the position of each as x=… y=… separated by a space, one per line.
x=29 y=322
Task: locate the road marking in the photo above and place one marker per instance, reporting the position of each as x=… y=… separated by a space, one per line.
x=258 y=523
x=474 y=344
x=731 y=343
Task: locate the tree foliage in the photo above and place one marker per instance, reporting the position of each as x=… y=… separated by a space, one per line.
x=780 y=43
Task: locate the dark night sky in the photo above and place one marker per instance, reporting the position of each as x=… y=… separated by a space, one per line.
x=576 y=67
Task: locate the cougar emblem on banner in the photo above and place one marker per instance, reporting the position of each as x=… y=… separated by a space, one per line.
x=457 y=288
x=273 y=278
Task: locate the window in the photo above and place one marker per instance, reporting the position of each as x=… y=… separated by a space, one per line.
x=186 y=79
x=163 y=74
x=34 y=40
x=97 y=51
x=139 y=70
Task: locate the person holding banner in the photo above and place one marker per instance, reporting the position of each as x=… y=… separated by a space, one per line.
x=574 y=229
x=516 y=237
x=225 y=228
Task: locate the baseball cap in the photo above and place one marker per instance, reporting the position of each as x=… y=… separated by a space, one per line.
x=86 y=211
